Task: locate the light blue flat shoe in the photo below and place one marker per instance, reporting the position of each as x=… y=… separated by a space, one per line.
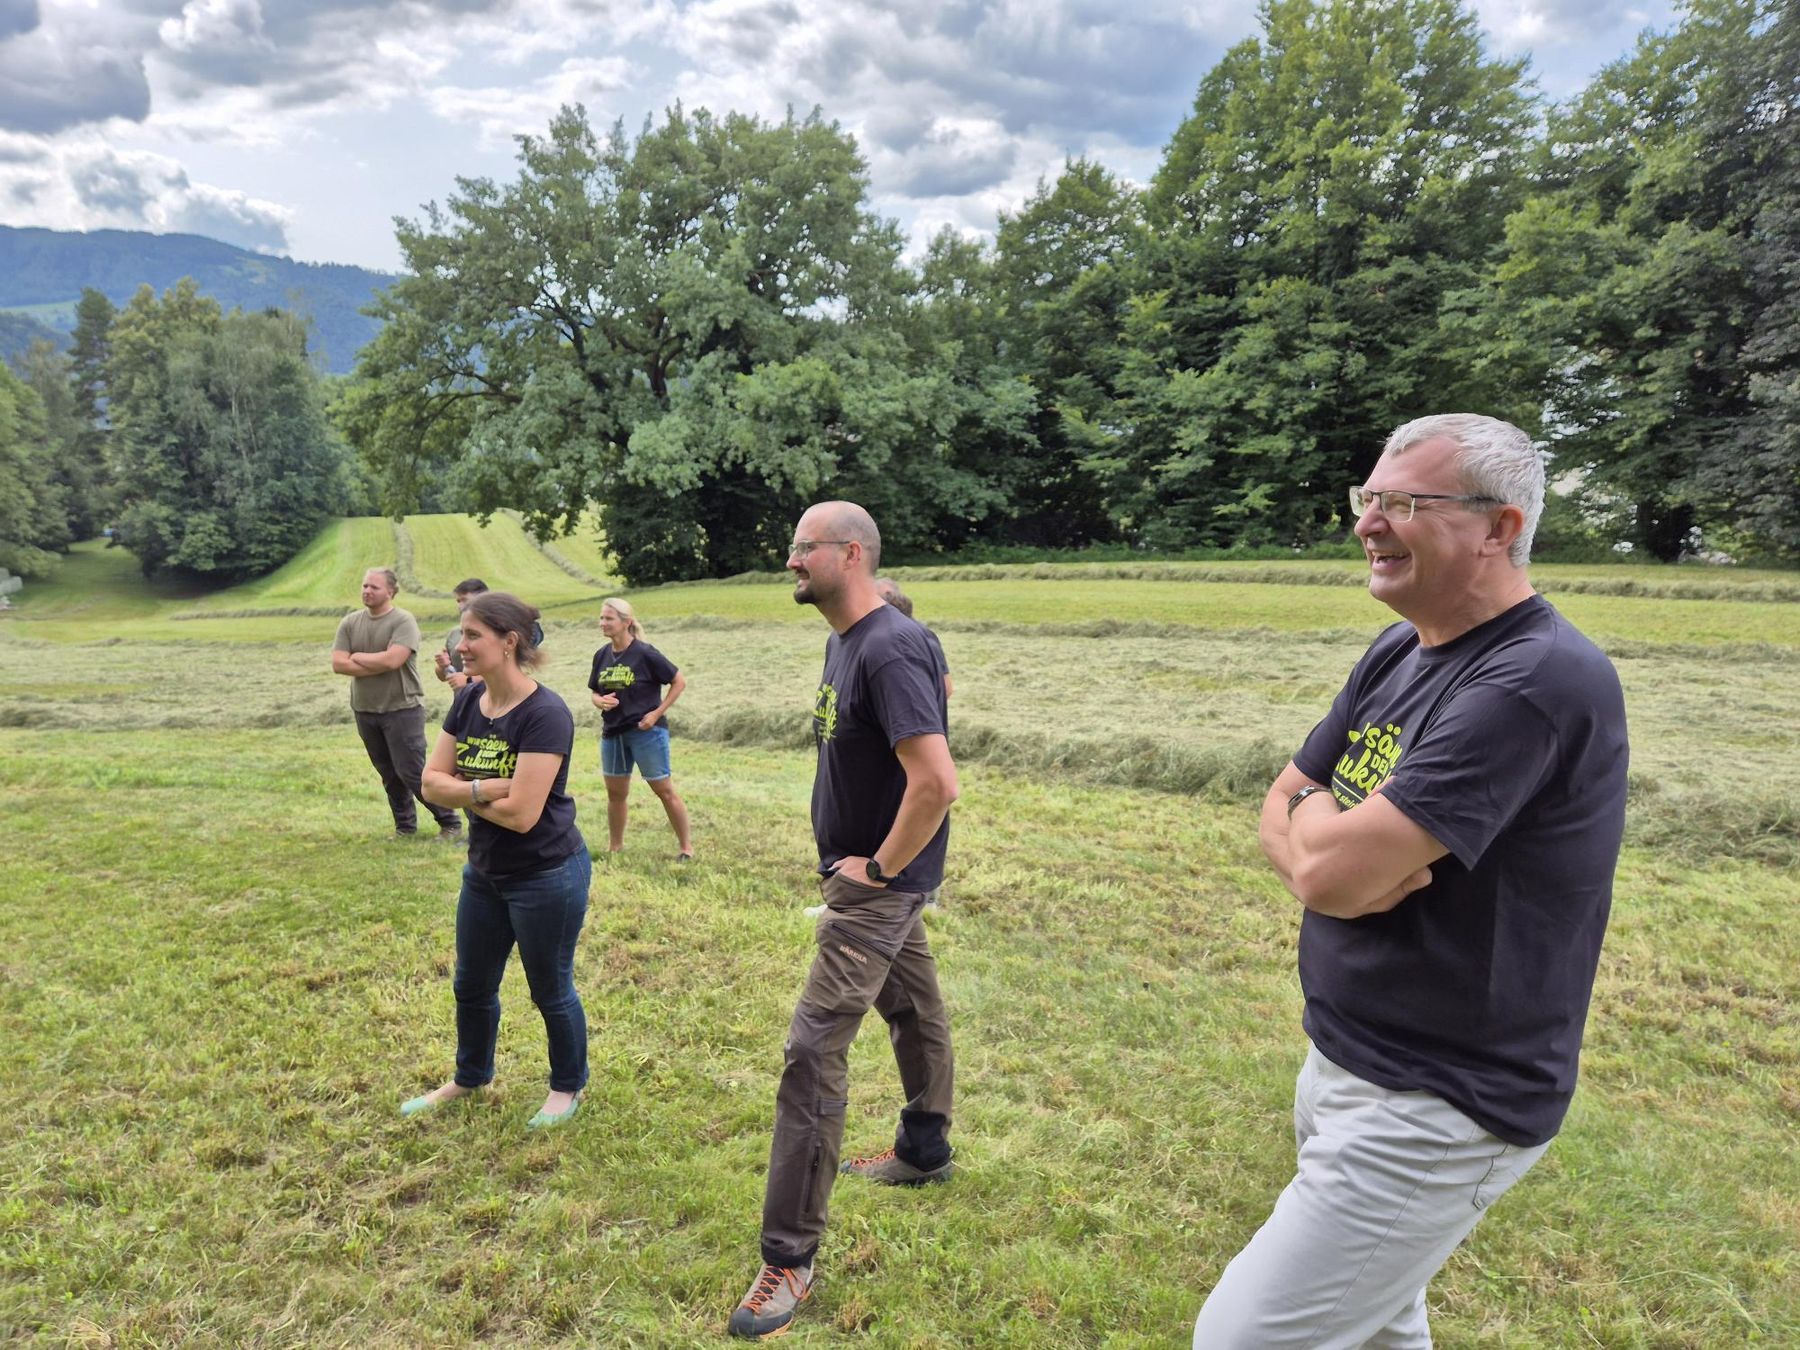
x=418 y=1106
x=549 y=1120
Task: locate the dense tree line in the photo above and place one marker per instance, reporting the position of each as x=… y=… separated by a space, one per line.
x=199 y=437
x=1365 y=217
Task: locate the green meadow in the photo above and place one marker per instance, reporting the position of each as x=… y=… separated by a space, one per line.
x=219 y=979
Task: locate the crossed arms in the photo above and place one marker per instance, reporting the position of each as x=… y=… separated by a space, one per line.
x=1344 y=864
x=370 y=663
x=515 y=803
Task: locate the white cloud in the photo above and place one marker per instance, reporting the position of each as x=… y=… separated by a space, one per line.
x=209 y=25
x=502 y=113
x=959 y=106
x=952 y=158
x=1548 y=29
x=90 y=186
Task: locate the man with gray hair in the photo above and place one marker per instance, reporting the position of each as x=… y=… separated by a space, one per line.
x=1450 y=830
x=375 y=649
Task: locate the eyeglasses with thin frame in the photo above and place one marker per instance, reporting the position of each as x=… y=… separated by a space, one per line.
x=1399 y=506
x=799 y=548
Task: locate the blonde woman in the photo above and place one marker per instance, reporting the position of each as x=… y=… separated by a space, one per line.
x=627 y=683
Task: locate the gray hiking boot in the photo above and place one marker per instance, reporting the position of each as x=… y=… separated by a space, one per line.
x=770 y=1305
x=888 y=1168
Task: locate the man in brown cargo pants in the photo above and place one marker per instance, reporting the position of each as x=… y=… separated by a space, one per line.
x=880 y=814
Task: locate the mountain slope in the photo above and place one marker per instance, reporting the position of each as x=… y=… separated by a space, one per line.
x=41 y=269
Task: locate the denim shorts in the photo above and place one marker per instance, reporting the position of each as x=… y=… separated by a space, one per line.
x=649 y=750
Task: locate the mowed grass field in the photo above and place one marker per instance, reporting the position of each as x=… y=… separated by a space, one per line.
x=219 y=981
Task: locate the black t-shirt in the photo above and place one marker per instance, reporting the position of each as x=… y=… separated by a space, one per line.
x=490 y=748
x=1508 y=746
x=637 y=675
x=937 y=651
x=880 y=686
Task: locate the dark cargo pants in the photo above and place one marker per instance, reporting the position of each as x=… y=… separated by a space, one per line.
x=872 y=953
x=396 y=745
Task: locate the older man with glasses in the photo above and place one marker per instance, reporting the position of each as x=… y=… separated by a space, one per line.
x=1450 y=830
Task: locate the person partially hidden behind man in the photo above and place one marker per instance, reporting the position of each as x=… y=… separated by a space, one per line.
x=1451 y=829
x=447 y=660
x=880 y=816
x=889 y=590
x=375 y=648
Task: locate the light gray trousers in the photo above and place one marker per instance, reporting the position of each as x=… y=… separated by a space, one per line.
x=1388 y=1183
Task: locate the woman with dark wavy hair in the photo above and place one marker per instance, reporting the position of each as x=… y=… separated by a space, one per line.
x=504 y=755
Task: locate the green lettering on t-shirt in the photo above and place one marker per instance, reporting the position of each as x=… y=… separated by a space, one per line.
x=1367 y=769
x=825 y=713
x=485 y=757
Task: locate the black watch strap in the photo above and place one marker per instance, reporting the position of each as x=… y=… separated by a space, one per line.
x=874 y=873
x=1300 y=796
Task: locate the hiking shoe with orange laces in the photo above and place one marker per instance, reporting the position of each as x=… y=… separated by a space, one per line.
x=769 y=1306
x=888 y=1168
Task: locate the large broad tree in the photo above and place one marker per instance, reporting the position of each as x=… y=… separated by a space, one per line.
x=694 y=331
x=1341 y=177
x=220 y=454
x=1628 y=288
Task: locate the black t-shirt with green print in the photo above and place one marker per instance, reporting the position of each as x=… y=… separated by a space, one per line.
x=489 y=747
x=1507 y=745
x=880 y=687
x=637 y=675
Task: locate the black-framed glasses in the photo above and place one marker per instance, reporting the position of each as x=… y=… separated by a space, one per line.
x=799 y=548
x=1399 y=506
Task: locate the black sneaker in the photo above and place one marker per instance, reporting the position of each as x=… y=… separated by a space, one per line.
x=889 y=1169
x=772 y=1301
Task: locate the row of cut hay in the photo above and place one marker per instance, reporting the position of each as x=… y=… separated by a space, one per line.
x=1688 y=823
x=556 y=555
x=1656 y=587
x=405 y=569
x=1692 y=826
x=273 y=612
x=1619 y=649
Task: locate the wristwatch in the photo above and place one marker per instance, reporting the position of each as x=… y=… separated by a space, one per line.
x=1300 y=796
x=875 y=874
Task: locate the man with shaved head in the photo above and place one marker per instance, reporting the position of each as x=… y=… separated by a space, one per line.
x=880 y=815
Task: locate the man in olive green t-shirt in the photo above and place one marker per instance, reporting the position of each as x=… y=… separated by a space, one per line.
x=375 y=649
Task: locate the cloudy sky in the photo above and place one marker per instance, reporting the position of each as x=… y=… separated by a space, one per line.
x=305 y=126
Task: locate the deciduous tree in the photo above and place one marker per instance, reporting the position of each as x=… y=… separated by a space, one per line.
x=220 y=454
x=685 y=329
x=1340 y=178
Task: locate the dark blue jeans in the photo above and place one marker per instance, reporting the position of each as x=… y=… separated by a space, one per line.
x=542 y=912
